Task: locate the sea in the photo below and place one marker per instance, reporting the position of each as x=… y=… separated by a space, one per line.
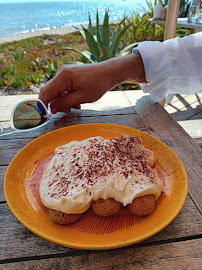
x=23 y=17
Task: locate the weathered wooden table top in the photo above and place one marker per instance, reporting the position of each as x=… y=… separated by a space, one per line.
x=178 y=246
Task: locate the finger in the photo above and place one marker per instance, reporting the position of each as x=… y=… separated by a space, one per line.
x=49 y=91
x=65 y=66
x=60 y=68
x=65 y=110
x=55 y=87
x=61 y=103
x=78 y=107
x=62 y=110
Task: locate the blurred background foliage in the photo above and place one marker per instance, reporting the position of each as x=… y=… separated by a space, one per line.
x=36 y=60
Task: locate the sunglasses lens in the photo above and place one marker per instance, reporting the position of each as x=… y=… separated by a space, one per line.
x=29 y=114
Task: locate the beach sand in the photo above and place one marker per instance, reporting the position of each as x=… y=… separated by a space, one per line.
x=53 y=31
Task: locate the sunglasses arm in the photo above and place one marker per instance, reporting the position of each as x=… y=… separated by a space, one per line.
x=8 y=133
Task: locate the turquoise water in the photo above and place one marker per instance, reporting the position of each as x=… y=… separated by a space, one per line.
x=25 y=17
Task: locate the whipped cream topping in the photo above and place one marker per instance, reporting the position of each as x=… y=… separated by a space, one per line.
x=95 y=168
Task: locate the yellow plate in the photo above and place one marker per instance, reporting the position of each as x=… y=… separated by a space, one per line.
x=93 y=232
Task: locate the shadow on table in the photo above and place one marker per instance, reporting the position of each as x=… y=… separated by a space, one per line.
x=185 y=109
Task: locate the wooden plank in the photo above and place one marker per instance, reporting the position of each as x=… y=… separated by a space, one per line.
x=193 y=128
x=177 y=97
x=17 y=241
x=196 y=116
x=180 y=255
x=183 y=107
x=169 y=131
x=187 y=103
x=9 y=148
x=130 y=120
x=179 y=100
x=113 y=102
x=2 y=173
x=185 y=114
x=187 y=98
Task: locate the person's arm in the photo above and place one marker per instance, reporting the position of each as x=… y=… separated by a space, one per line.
x=75 y=85
x=173 y=66
x=169 y=67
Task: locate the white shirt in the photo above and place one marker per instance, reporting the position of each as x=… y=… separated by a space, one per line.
x=173 y=66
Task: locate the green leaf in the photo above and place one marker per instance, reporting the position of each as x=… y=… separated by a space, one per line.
x=75 y=63
x=98 y=28
x=125 y=50
x=55 y=64
x=142 y=22
x=105 y=53
x=115 y=41
x=105 y=31
x=90 y=28
x=82 y=33
x=89 y=56
x=122 y=21
x=93 y=45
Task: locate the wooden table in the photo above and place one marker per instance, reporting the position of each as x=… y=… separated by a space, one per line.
x=178 y=246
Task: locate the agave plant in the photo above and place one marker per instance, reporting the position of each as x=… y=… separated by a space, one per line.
x=102 y=45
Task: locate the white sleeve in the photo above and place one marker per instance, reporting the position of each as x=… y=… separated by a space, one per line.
x=173 y=66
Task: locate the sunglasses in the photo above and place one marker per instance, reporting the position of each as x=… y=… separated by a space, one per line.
x=28 y=115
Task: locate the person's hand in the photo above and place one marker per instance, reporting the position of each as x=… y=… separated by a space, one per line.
x=75 y=85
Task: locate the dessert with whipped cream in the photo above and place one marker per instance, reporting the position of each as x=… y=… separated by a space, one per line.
x=98 y=170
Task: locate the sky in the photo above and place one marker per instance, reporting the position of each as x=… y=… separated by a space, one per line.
x=24 y=1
